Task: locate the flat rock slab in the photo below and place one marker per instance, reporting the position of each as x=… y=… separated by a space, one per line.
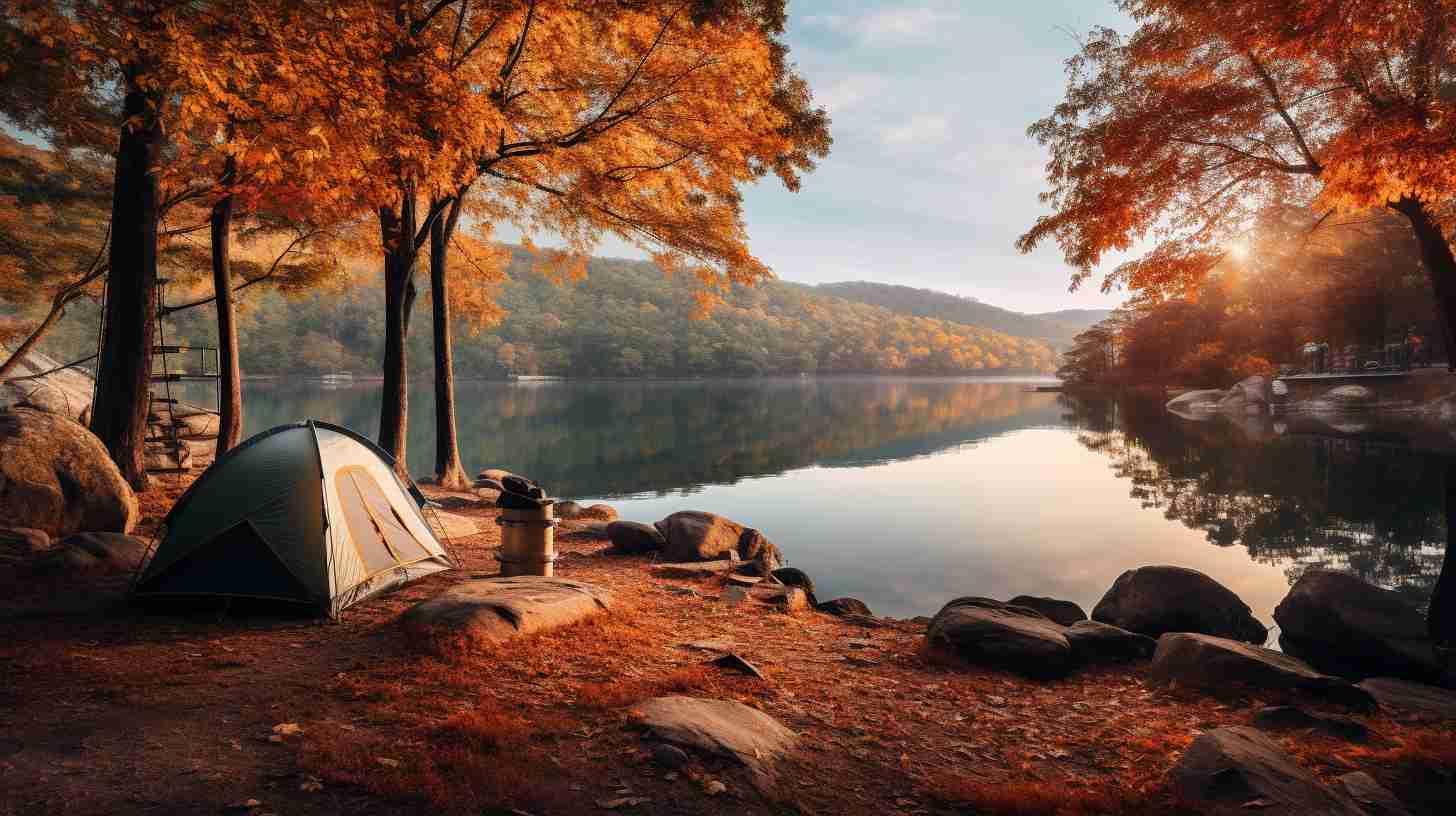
x=1241 y=767
x=1217 y=664
x=1064 y=612
x=1372 y=796
x=718 y=727
x=450 y=525
x=1094 y=642
x=694 y=569
x=1405 y=699
x=493 y=610
x=1293 y=718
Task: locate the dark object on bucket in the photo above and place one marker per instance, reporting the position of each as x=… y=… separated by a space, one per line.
x=528 y=534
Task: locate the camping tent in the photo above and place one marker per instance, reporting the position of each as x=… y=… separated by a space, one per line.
x=309 y=513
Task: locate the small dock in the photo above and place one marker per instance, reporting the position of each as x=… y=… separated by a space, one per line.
x=1346 y=378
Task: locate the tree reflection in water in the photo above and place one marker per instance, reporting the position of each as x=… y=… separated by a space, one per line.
x=1364 y=497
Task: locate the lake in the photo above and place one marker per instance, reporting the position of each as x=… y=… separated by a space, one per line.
x=907 y=492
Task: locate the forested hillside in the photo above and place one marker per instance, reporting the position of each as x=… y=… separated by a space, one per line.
x=1056 y=328
x=626 y=319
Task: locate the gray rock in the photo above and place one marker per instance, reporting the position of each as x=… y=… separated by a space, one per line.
x=1094 y=642
x=95 y=554
x=1341 y=625
x=795 y=577
x=57 y=477
x=1293 y=718
x=568 y=510
x=845 y=606
x=1406 y=700
x=670 y=756
x=633 y=538
x=1064 y=612
x=755 y=548
x=1240 y=767
x=718 y=727
x=1371 y=795
x=1219 y=664
x=66 y=393
x=994 y=634
x=493 y=610
x=1158 y=599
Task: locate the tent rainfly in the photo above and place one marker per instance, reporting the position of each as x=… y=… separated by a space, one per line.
x=309 y=513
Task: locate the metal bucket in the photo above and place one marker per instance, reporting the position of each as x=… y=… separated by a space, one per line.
x=528 y=541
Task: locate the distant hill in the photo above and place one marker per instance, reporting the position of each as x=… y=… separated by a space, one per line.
x=1057 y=328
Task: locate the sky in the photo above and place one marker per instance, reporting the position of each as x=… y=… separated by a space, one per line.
x=932 y=177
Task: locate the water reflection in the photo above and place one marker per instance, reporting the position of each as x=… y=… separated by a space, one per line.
x=621 y=438
x=1366 y=496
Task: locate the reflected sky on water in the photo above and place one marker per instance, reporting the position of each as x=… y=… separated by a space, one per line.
x=909 y=492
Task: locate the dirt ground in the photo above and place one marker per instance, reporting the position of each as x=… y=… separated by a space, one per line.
x=108 y=709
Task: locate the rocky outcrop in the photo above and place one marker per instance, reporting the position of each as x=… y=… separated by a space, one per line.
x=719 y=728
x=633 y=538
x=568 y=510
x=1094 y=642
x=1219 y=665
x=57 y=477
x=693 y=535
x=1014 y=638
x=1405 y=700
x=493 y=610
x=1159 y=599
x=1251 y=396
x=1341 y=625
x=844 y=606
x=1064 y=612
x=1239 y=767
x=600 y=512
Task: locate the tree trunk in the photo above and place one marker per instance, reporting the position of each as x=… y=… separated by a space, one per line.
x=123 y=371
x=1441 y=266
x=230 y=376
x=449 y=473
x=397 y=230
x=1441 y=619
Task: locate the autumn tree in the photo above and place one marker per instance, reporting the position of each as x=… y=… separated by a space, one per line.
x=1209 y=112
x=571 y=118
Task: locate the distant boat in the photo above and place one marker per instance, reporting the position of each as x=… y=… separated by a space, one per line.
x=536 y=377
x=338 y=378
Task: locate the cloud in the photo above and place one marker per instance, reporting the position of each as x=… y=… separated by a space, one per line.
x=920 y=130
x=850 y=90
x=886 y=26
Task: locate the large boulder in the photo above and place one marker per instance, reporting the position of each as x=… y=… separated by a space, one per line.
x=693 y=535
x=1064 y=612
x=1341 y=625
x=635 y=538
x=493 y=610
x=57 y=477
x=1219 y=665
x=995 y=634
x=1238 y=767
x=1415 y=701
x=1253 y=394
x=1094 y=642
x=717 y=727
x=1373 y=797
x=1159 y=599
x=66 y=392
x=1196 y=402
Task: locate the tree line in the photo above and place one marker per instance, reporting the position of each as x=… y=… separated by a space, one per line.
x=1357 y=285
x=405 y=129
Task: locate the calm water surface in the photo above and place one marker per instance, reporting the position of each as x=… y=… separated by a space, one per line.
x=909 y=492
